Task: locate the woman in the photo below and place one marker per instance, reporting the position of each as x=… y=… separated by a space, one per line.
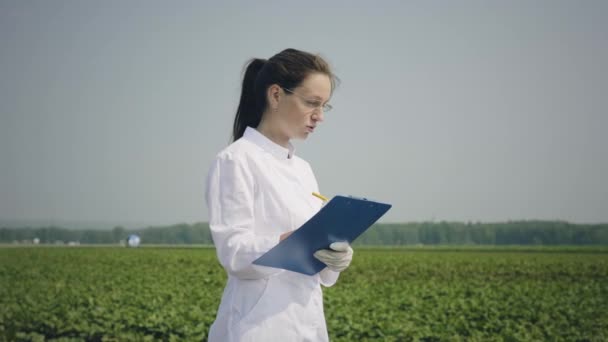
x=259 y=191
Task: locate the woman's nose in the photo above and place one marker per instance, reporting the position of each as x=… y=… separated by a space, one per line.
x=318 y=115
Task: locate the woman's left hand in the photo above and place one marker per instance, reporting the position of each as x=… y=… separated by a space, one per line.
x=337 y=258
x=285 y=235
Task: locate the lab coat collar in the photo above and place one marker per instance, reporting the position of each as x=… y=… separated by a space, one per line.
x=268 y=145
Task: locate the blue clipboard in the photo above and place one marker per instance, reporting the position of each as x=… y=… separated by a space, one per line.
x=343 y=218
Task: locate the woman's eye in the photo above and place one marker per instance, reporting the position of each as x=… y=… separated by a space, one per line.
x=313 y=104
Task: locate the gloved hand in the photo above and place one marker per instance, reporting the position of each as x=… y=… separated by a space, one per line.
x=337 y=258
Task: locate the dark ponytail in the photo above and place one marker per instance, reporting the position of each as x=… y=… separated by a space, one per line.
x=288 y=69
x=250 y=111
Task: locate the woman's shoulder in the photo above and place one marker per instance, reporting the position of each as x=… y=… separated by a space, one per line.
x=240 y=151
x=243 y=151
x=301 y=162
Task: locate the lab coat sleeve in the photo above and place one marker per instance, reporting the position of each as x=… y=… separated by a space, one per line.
x=229 y=195
x=328 y=277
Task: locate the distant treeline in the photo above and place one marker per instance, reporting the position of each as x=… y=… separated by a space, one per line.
x=426 y=233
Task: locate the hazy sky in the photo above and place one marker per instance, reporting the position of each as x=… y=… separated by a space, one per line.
x=449 y=110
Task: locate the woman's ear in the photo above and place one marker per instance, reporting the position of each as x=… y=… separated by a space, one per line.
x=273 y=95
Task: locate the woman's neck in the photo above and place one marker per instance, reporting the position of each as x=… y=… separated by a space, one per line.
x=271 y=132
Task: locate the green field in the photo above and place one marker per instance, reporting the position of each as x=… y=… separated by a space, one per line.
x=415 y=294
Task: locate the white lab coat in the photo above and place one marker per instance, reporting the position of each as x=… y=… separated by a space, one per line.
x=257 y=190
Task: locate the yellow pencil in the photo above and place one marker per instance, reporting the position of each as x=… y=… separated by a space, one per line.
x=321 y=197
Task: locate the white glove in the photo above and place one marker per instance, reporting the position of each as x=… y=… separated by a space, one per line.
x=337 y=258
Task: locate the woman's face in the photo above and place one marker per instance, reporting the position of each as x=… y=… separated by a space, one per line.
x=300 y=110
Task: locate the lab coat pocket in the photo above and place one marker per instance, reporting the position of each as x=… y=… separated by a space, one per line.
x=248 y=295
x=267 y=318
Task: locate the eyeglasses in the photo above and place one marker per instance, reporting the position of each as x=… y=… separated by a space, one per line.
x=312 y=104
